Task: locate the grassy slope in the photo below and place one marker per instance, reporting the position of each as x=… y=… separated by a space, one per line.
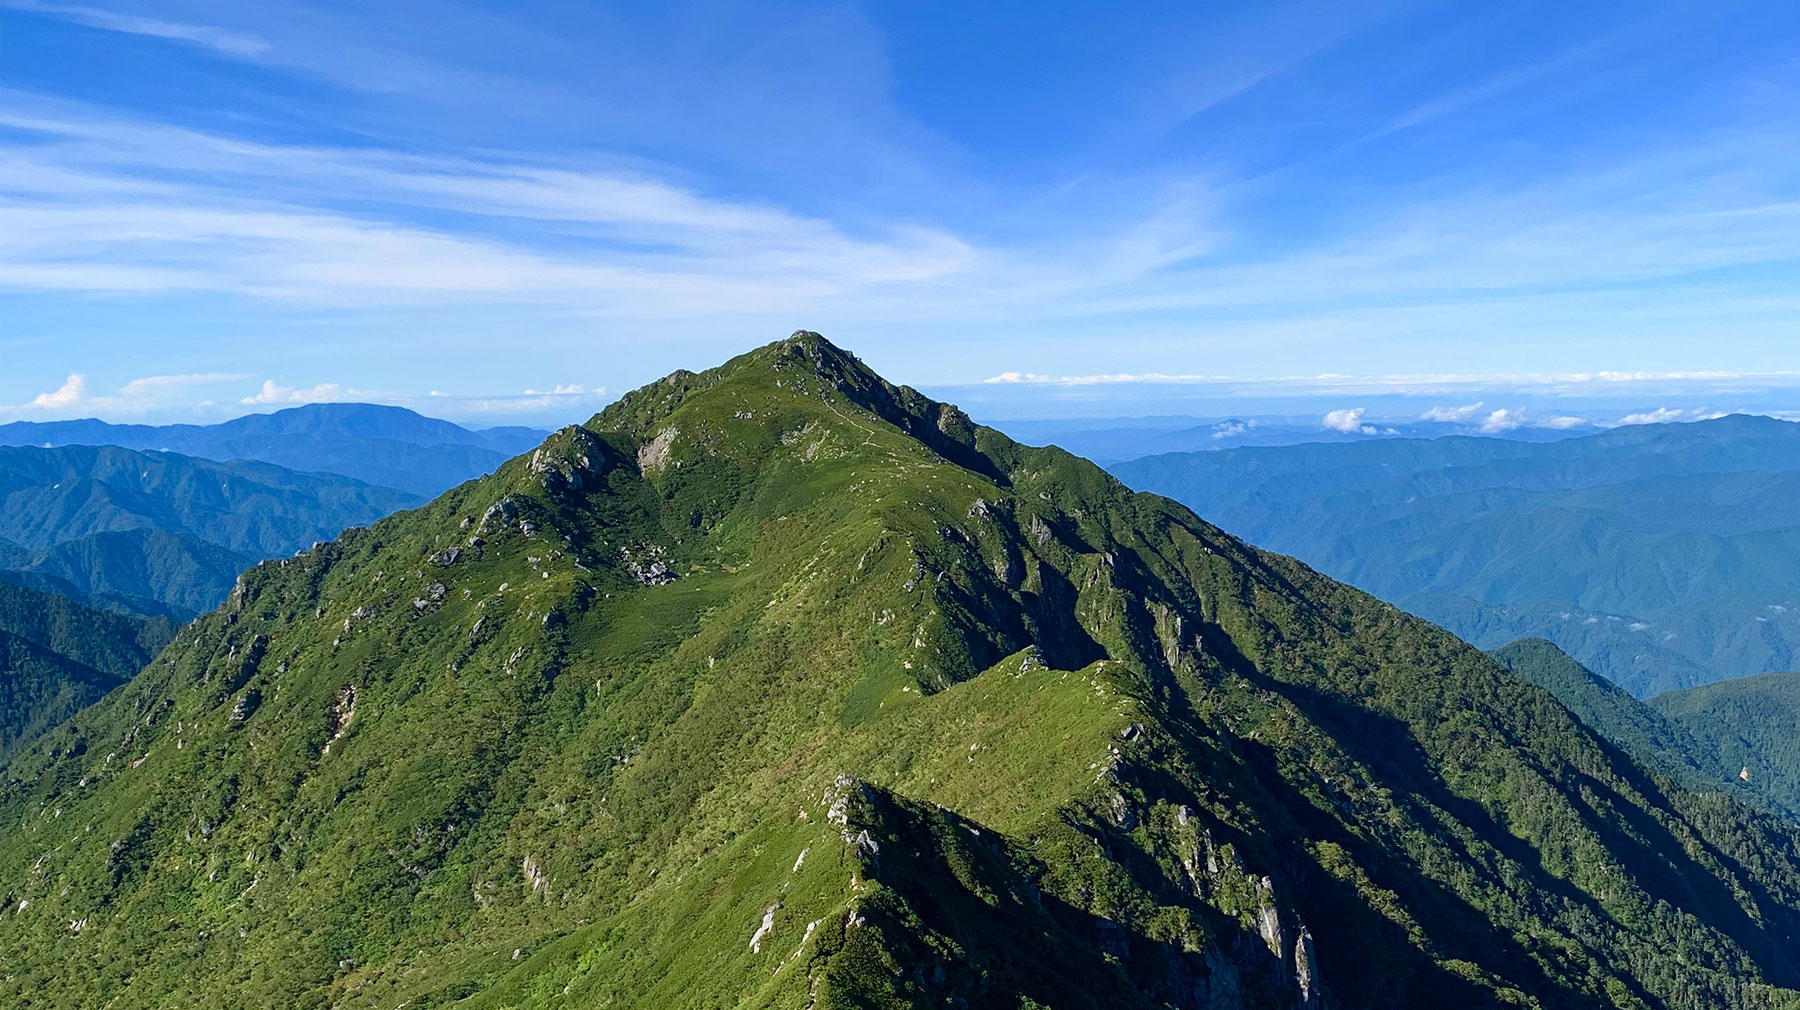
x=1040 y=741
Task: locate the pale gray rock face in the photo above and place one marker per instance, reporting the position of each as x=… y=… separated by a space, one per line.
x=647 y=563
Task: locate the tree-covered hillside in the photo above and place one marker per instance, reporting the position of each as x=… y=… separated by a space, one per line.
x=780 y=686
x=1654 y=739
x=57 y=657
x=1750 y=727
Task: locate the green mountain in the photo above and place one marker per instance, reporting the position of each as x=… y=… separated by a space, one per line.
x=387 y=446
x=160 y=533
x=1750 y=727
x=1733 y=736
x=57 y=657
x=1660 y=556
x=1652 y=738
x=781 y=686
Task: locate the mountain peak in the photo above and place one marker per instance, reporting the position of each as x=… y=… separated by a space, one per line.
x=804 y=366
x=778 y=684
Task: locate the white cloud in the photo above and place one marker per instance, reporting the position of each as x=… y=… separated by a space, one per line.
x=1348 y=421
x=1599 y=383
x=152 y=385
x=71 y=392
x=1462 y=413
x=138 y=396
x=1501 y=420
x=230 y=43
x=1101 y=379
x=1661 y=415
x=273 y=392
x=1664 y=415
x=535 y=402
x=1563 y=422
x=1231 y=429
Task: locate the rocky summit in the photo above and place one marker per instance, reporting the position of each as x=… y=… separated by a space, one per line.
x=778 y=685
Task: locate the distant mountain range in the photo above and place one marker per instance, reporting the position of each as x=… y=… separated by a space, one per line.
x=111 y=533
x=1661 y=556
x=57 y=657
x=162 y=533
x=1115 y=440
x=386 y=446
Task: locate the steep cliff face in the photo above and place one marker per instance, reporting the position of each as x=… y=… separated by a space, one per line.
x=778 y=685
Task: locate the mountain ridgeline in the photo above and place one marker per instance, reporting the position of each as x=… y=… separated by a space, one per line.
x=780 y=686
x=157 y=533
x=382 y=445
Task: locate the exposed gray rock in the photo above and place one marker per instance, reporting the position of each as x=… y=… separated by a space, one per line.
x=654 y=456
x=246 y=705
x=647 y=564
x=343 y=711
x=501 y=514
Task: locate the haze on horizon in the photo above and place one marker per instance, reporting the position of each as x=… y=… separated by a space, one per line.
x=512 y=213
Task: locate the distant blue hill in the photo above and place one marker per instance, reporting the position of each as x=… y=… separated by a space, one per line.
x=387 y=446
x=159 y=533
x=1660 y=556
x=1110 y=441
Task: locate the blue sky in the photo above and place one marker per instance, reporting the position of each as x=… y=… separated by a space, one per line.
x=516 y=211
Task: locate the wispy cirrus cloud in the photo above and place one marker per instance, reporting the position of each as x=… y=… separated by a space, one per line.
x=1462 y=413
x=102 y=205
x=99 y=204
x=230 y=43
x=151 y=385
x=1173 y=268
